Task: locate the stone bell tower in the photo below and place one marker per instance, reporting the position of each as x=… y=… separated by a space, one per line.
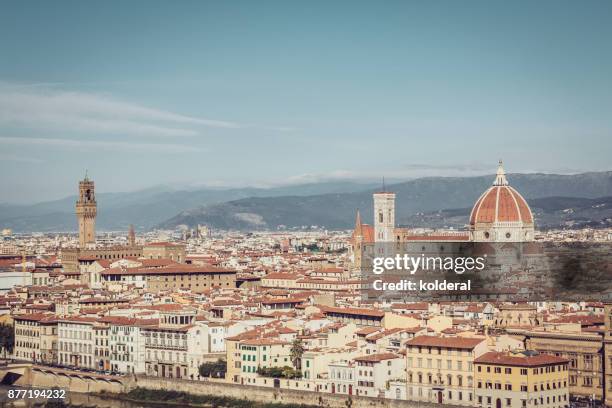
x=384 y=215
x=86 y=210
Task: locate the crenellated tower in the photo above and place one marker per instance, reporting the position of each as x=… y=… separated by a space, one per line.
x=86 y=211
x=131 y=236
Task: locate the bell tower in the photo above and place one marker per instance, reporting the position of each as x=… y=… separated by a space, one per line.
x=86 y=210
x=384 y=215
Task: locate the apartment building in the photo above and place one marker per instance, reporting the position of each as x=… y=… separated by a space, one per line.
x=441 y=369
x=584 y=352
x=76 y=342
x=264 y=353
x=166 y=351
x=194 y=278
x=375 y=371
x=342 y=376
x=521 y=380
x=126 y=344
x=315 y=362
x=101 y=331
x=30 y=334
x=164 y=250
x=608 y=353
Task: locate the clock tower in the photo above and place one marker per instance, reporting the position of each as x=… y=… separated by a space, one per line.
x=86 y=210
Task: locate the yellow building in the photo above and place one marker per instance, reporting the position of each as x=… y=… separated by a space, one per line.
x=234 y=356
x=518 y=380
x=30 y=330
x=440 y=369
x=263 y=353
x=582 y=349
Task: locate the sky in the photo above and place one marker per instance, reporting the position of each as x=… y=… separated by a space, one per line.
x=261 y=93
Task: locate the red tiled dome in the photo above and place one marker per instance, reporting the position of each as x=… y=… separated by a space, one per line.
x=501 y=203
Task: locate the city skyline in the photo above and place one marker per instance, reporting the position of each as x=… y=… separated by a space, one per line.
x=339 y=204
x=286 y=94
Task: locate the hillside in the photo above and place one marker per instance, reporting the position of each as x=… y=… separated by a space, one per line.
x=421 y=196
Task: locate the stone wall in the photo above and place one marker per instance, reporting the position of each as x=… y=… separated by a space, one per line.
x=79 y=382
x=264 y=394
x=71 y=381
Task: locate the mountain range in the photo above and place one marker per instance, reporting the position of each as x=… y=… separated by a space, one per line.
x=146 y=208
x=556 y=200
x=549 y=193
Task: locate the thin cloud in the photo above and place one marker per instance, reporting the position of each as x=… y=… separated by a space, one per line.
x=20 y=159
x=99 y=144
x=53 y=109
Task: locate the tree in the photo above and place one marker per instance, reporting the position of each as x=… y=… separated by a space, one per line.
x=297 y=351
x=7 y=338
x=215 y=369
x=279 y=372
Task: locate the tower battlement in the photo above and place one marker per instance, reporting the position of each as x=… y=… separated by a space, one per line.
x=86 y=211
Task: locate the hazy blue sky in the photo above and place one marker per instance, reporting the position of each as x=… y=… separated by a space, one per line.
x=262 y=92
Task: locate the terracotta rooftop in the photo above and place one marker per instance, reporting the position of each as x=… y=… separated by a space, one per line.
x=175 y=269
x=446 y=342
x=519 y=360
x=353 y=311
x=378 y=357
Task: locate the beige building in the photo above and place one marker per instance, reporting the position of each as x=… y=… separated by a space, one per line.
x=48 y=341
x=315 y=363
x=194 y=278
x=101 y=331
x=440 y=369
x=516 y=315
x=608 y=354
x=164 y=250
x=76 y=342
x=74 y=258
x=583 y=350
x=30 y=331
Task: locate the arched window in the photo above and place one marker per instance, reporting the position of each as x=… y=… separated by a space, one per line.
x=380 y=216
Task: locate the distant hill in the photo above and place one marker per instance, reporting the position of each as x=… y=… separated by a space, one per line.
x=330 y=204
x=146 y=208
x=415 y=198
x=549 y=212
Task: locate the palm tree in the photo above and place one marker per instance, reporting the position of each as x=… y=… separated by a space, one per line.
x=297 y=350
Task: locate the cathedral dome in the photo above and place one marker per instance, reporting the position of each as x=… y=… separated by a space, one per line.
x=499 y=208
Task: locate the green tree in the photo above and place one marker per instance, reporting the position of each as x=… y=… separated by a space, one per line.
x=215 y=369
x=279 y=372
x=297 y=351
x=7 y=338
